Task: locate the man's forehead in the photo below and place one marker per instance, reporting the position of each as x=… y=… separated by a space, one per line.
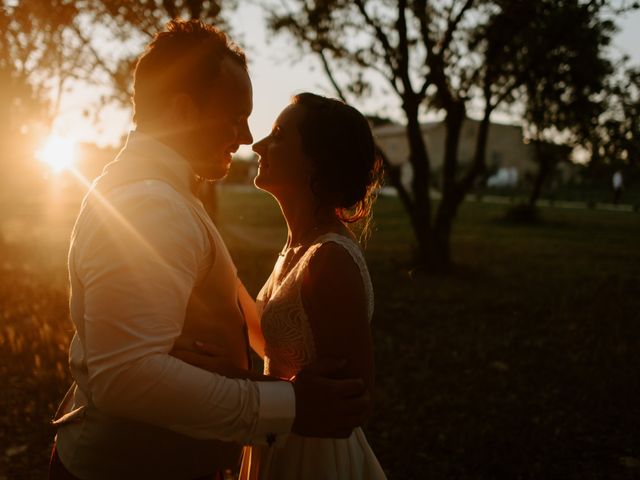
x=234 y=84
x=232 y=69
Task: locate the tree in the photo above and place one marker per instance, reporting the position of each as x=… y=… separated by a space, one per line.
x=37 y=60
x=49 y=44
x=562 y=106
x=614 y=139
x=46 y=46
x=448 y=56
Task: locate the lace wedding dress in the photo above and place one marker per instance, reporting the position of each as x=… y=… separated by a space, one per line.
x=290 y=346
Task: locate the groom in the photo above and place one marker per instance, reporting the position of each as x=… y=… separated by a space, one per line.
x=149 y=271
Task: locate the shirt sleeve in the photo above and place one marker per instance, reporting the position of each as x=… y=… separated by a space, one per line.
x=137 y=258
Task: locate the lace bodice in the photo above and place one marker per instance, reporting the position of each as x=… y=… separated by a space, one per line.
x=289 y=343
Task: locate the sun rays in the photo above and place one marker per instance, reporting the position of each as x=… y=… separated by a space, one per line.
x=129 y=234
x=63 y=160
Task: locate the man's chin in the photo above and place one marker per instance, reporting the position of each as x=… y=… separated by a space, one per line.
x=215 y=172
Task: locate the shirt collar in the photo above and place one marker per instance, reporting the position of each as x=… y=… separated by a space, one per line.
x=146 y=146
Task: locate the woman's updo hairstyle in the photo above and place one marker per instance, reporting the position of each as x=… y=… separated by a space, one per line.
x=346 y=170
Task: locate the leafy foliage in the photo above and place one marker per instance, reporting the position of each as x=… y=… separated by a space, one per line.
x=51 y=44
x=615 y=138
x=36 y=62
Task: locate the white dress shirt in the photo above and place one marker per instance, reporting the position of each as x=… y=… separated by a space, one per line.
x=132 y=273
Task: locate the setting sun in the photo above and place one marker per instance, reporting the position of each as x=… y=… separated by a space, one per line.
x=57 y=152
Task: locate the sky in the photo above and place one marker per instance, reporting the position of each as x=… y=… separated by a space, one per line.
x=277 y=72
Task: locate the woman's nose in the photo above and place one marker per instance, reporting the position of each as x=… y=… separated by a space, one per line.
x=259 y=146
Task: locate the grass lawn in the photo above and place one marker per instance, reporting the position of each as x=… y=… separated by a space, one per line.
x=522 y=363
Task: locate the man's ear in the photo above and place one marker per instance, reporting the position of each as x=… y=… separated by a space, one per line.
x=183 y=109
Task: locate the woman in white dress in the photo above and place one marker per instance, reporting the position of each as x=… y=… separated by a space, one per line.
x=320 y=164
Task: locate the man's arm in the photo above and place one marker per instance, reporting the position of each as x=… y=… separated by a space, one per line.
x=138 y=263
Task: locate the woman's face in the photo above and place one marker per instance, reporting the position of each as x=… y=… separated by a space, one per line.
x=283 y=168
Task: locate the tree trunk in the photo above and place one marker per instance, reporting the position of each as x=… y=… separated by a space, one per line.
x=454 y=192
x=455 y=117
x=441 y=233
x=441 y=261
x=421 y=211
x=478 y=165
x=544 y=168
x=393 y=175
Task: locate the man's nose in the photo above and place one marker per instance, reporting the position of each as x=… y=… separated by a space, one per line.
x=245 y=137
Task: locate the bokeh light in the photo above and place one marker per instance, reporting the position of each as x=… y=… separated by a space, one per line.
x=58 y=153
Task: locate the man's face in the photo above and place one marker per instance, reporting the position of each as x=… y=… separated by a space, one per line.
x=221 y=124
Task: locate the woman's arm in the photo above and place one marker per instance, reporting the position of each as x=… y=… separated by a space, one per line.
x=212 y=359
x=248 y=306
x=336 y=303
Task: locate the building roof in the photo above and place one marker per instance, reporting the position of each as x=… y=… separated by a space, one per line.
x=394 y=129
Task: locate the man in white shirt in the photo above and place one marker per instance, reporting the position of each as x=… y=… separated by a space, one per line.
x=149 y=271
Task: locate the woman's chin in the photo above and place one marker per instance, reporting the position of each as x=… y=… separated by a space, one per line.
x=259 y=185
x=268 y=188
x=261 y=182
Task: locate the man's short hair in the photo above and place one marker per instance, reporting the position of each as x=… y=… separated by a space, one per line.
x=185 y=58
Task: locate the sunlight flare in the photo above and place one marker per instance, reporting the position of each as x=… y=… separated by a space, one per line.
x=58 y=153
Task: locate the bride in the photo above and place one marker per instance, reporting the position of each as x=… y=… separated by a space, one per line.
x=320 y=164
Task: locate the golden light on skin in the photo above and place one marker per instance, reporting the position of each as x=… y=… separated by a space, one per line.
x=58 y=153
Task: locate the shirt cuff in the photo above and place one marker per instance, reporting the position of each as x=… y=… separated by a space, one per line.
x=277 y=412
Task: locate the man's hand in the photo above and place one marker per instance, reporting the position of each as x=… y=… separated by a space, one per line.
x=326 y=406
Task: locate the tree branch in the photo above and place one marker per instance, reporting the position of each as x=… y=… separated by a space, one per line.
x=403 y=49
x=434 y=60
x=329 y=73
x=389 y=52
x=87 y=43
x=453 y=24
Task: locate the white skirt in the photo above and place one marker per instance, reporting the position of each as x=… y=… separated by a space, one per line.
x=313 y=459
